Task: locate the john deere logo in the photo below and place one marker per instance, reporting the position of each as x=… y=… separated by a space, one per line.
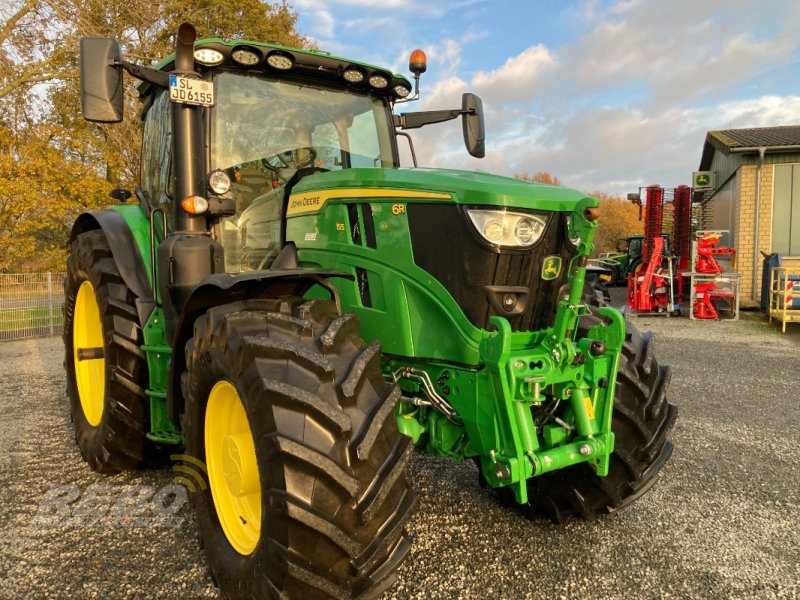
x=703 y=180
x=551 y=267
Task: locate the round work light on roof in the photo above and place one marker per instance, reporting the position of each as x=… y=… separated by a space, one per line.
x=353 y=75
x=378 y=81
x=208 y=56
x=245 y=56
x=279 y=61
x=402 y=91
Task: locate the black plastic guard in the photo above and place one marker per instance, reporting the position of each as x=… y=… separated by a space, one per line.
x=125 y=252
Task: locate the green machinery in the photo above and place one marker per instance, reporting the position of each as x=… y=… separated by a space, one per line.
x=283 y=300
x=627 y=259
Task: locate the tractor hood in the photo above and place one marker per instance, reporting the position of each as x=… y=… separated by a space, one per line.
x=463 y=187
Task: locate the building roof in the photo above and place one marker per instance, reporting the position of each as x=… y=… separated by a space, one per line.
x=728 y=140
x=759 y=136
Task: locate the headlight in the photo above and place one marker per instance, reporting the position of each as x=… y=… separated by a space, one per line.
x=503 y=228
x=219 y=182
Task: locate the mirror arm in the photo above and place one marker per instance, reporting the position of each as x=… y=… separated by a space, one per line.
x=158 y=78
x=428 y=117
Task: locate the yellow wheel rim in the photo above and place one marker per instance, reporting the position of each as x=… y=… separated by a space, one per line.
x=87 y=348
x=233 y=468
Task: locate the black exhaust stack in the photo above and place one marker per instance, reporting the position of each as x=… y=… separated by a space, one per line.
x=189 y=254
x=187 y=138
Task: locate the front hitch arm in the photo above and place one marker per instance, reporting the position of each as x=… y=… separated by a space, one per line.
x=583 y=225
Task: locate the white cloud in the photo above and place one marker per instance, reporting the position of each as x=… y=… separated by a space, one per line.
x=681 y=49
x=627 y=103
x=325 y=24
x=612 y=149
x=520 y=78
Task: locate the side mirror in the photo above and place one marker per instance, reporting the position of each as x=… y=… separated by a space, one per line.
x=472 y=124
x=101 y=82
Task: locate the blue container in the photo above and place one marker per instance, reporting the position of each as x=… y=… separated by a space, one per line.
x=771 y=260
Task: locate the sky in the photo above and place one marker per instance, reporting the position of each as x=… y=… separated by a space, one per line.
x=607 y=96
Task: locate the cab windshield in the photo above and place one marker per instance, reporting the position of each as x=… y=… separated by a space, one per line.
x=266 y=134
x=264 y=131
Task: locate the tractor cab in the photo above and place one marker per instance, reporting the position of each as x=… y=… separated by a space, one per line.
x=267 y=134
x=277 y=115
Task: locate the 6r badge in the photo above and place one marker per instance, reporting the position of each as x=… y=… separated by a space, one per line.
x=551 y=267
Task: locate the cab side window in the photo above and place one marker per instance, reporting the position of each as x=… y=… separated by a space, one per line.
x=156 y=179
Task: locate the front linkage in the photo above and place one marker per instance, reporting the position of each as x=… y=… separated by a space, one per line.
x=540 y=401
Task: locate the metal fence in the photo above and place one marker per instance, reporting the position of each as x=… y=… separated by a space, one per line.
x=30 y=305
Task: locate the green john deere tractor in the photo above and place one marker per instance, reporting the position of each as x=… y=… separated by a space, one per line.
x=283 y=300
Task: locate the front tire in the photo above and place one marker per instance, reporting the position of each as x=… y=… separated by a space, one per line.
x=643 y=418
x=315 y=502
x=106 y=369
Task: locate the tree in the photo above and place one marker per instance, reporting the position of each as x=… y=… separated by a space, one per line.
x=53 y=164
x=619 y=218
x=539 y=177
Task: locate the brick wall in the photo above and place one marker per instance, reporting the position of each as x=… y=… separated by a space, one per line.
x=745 y=224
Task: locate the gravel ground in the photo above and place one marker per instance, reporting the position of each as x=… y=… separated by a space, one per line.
x=722 y=522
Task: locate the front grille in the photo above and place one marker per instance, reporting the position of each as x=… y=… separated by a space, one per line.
x=445 y=246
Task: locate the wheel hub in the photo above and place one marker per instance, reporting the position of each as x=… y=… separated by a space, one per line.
x=241 y=476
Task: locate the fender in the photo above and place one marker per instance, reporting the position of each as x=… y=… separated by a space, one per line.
x=223 y=288
x=118 y=224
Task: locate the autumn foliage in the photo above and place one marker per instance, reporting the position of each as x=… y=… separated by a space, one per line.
x=539 y=177
x=53 y=164
x=619 y=218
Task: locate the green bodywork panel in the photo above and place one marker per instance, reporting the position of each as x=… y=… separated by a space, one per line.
x=495 y=381
x=412 y=314
x=466 y=187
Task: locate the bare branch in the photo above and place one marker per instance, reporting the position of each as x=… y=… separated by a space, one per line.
x=28 y=79
x=15 y=18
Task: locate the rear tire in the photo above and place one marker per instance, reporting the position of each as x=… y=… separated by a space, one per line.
x=329 y=458
x=643 y=418
x=108 y=406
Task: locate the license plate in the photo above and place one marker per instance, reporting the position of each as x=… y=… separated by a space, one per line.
x=184 y=90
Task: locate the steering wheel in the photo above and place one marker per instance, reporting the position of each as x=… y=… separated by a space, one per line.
x=285 y=160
